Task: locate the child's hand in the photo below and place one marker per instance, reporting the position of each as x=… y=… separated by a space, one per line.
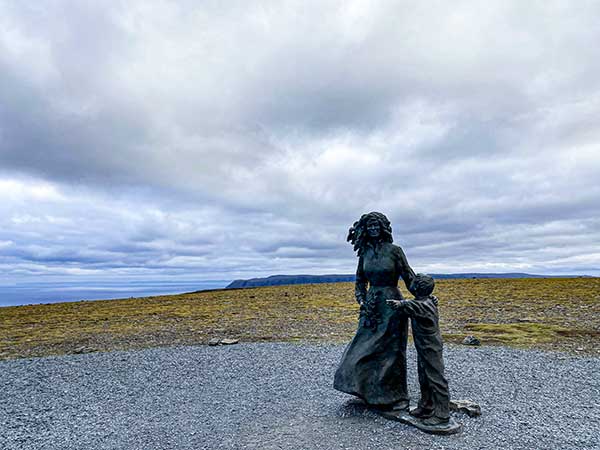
x=394 y=304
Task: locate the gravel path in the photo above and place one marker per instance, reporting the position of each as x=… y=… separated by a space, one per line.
x=279 y=396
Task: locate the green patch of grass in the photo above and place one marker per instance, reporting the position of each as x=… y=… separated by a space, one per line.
x=516 y=334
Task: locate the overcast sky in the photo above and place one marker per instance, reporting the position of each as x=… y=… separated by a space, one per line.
x=221 y=140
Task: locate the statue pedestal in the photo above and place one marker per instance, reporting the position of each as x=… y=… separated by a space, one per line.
x=357 y=407
x=452 y=427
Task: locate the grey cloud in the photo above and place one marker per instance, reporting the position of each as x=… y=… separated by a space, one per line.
x=246 y=138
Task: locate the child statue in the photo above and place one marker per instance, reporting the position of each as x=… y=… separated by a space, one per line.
x=433 y=407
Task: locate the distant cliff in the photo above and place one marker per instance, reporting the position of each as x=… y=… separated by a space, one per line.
x=278 y=280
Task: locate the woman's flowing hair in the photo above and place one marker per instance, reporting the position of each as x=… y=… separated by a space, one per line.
x=359 y=237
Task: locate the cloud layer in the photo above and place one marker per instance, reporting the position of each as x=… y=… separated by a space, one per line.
x=214 y=141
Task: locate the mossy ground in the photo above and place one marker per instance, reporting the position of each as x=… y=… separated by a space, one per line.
x=550 y=314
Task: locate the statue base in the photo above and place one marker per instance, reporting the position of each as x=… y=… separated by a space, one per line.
x=356 y=407
x=452 y=427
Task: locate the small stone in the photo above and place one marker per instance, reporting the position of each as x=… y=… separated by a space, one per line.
x=525 y=319
x=471 y=340
x=214 y=341
x=468 y=407
x=229 y=341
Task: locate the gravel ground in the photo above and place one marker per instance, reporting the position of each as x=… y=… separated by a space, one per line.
x=279 y=396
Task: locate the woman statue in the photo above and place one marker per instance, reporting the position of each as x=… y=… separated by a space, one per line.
x=374 y=364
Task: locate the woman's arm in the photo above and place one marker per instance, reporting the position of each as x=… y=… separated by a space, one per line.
x=406 y=272
x=360 y=287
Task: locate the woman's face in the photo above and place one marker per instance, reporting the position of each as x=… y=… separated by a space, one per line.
x=373 y=228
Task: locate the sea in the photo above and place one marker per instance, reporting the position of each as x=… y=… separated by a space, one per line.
x=27 y=293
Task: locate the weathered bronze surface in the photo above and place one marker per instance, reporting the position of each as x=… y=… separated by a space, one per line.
x=373 y=367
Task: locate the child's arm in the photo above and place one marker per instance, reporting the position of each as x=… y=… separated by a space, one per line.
x=413 y=308
x=405 y=306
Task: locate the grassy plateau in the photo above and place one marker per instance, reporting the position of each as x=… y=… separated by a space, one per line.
x=547 y=313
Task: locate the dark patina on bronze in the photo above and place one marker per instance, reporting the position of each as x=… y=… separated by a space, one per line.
x=373 y=366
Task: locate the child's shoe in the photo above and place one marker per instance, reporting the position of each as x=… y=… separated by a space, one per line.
x=434 y=420
x=421 y=413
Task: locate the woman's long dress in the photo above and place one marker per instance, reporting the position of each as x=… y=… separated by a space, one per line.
x=373 y=366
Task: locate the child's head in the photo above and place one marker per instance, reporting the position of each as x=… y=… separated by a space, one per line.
x=422 y=285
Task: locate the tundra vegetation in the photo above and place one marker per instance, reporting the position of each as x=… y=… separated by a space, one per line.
x=560 y=314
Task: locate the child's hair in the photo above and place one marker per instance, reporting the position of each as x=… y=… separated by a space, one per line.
x=423 y=285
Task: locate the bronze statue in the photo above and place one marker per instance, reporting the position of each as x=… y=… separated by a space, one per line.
x=373 y=366
x=434 y=404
